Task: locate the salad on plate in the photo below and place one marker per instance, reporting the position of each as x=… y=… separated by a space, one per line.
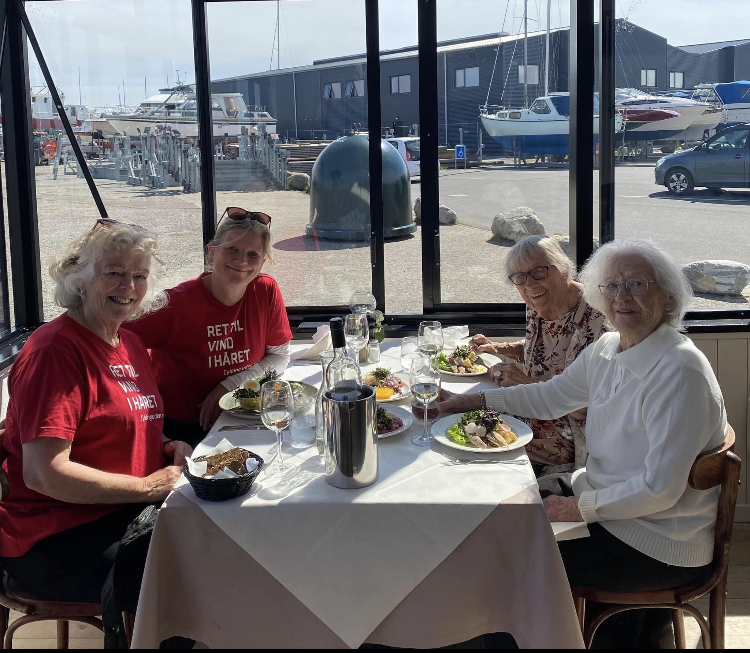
x=387 y=385
x=483 y=429
x=461 y=361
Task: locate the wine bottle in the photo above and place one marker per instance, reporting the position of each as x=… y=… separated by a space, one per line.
x=343 y=376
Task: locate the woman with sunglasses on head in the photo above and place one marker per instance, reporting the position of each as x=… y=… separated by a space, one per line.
x=219 y=330
x=559 y=326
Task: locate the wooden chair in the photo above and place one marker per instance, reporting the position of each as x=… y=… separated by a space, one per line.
x=719 y=467
x=32 y=608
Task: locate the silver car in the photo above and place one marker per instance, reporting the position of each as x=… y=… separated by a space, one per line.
x=723 y=161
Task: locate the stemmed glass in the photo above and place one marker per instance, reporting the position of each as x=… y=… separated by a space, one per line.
x=357 y=332
x=425 y=386
x=276 y=412
x=362 y=302
x=430 y=338
x=409 y=351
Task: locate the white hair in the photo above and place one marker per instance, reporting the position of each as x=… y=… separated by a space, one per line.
x=76 y=265
x=531 y=246
x=667 y=274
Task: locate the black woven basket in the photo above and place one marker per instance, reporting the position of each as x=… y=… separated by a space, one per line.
x=221 y=489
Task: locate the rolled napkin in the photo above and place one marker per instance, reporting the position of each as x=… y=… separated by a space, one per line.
x=321 y=342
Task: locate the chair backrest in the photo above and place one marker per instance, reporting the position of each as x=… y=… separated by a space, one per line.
x=719 y=467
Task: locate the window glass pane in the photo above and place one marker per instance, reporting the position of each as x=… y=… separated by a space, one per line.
x=327 y=91
x=133 y=124
x=460 y=78
x=404 y=84
x=644 y=78
x=472 y=77
x=698 y=191
x=496 y=191
x=321 y=221
x=394 y=85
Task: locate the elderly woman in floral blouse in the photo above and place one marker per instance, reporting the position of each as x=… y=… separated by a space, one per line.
x=559 y=326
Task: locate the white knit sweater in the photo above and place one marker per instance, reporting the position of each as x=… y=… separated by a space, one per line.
x=651 y=410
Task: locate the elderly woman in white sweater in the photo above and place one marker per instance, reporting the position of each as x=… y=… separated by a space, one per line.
x=653 y=405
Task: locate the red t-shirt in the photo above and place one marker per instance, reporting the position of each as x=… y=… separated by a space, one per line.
x=196 y=341
x=68 y=383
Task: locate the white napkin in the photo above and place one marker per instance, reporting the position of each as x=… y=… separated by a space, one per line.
x=570 y=530
x=451 y=335
x=322 y=342
x=199 y=469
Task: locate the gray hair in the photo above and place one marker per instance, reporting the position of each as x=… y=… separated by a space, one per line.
x=76 y=266
x=667 y=274
x=527 y=248
x=230 y=230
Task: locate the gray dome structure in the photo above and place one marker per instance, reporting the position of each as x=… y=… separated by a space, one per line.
x=340 y=192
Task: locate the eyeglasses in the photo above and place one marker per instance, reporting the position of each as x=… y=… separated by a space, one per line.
x=520 y=278
x=237 y=213
x=635 y=287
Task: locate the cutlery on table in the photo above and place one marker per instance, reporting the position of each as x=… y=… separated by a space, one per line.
x=458 y=461
x=242 y=427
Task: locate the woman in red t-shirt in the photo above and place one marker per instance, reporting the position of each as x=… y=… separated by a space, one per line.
x=220 y=330
x=84 y=423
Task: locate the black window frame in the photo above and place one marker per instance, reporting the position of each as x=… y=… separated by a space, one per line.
x=331 y=85
x=353 y=84
x=497 y=318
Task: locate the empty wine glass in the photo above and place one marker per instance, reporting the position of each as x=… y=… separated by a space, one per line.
x=425 y=386
x=409 y=351
x=357 y=332
x=276 y=412
x=362 y=302
x=430 y=338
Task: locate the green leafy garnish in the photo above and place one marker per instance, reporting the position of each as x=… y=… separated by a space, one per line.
x=443 y=363
x=381 y=373
x=456 y=434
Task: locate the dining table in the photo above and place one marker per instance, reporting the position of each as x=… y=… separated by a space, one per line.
x=437 y=551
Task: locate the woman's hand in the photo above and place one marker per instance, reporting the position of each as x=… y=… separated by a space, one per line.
x=158 y=486
x=482 y=345
x=178 y=451
x=210 y=409
x=510 y=375
x=453 y=403
x=562 y=508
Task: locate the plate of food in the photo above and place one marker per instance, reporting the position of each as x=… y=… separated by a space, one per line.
x=393 y=420
x=462 y=362
x=245 y=401
x=388 y=386
x=482 y=431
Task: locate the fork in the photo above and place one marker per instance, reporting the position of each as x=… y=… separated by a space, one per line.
x=458 y=461
x=242 y=427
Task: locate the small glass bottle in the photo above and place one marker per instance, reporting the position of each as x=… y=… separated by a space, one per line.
x=343 y=376
x=325 y=359
x=373 y=351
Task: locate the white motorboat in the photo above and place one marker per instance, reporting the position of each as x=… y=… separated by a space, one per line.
x=732 y=98
x=177 y=108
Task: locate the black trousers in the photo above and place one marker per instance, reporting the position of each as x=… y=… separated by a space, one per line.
x=604 y=562
x=193 y=434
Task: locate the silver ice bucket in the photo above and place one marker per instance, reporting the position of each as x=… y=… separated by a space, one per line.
x=351 y=439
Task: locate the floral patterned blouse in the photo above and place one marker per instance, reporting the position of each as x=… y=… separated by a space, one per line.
x=550 y=346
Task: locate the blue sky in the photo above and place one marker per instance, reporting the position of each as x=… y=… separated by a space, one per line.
x=141 y=45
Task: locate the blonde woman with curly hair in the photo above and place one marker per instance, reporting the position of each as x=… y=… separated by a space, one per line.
x=226 y=327
x=84 y=422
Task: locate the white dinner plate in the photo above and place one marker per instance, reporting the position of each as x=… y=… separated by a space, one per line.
x=405 y=391
x=404 y=415
x=523 y=431
x=304 y=398
x=466 y=374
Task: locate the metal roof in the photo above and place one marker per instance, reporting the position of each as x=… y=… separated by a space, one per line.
x=702 y=48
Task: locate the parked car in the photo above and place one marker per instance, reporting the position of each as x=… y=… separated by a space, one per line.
x=408 y=148
x=723 y=161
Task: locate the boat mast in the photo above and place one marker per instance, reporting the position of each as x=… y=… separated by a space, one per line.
x=278 y=35
x=525 y=54
x=546 y=50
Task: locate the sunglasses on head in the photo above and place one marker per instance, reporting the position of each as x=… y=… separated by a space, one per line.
x=237 y=213
x=107 y=223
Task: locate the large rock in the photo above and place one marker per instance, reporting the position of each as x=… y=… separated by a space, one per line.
x=564 y=242
x=298 y=181
x=446 y=215
x=720 y=277
x=516 y=224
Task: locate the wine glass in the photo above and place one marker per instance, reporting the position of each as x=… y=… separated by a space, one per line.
x=362 y=302
x=276 y=412
x=357 y=332
x=425 y=386
x=430 y=338
x=409 y=351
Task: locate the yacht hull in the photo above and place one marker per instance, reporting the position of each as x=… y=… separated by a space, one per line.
x=533 y=137
x=134 y=126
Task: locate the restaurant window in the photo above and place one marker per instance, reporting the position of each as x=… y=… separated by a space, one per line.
x=355 y=88
x=648 y=78
x=321 y=224
x=401 y=84
x=676 y=80
x=145 y=167
x=332 y=91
